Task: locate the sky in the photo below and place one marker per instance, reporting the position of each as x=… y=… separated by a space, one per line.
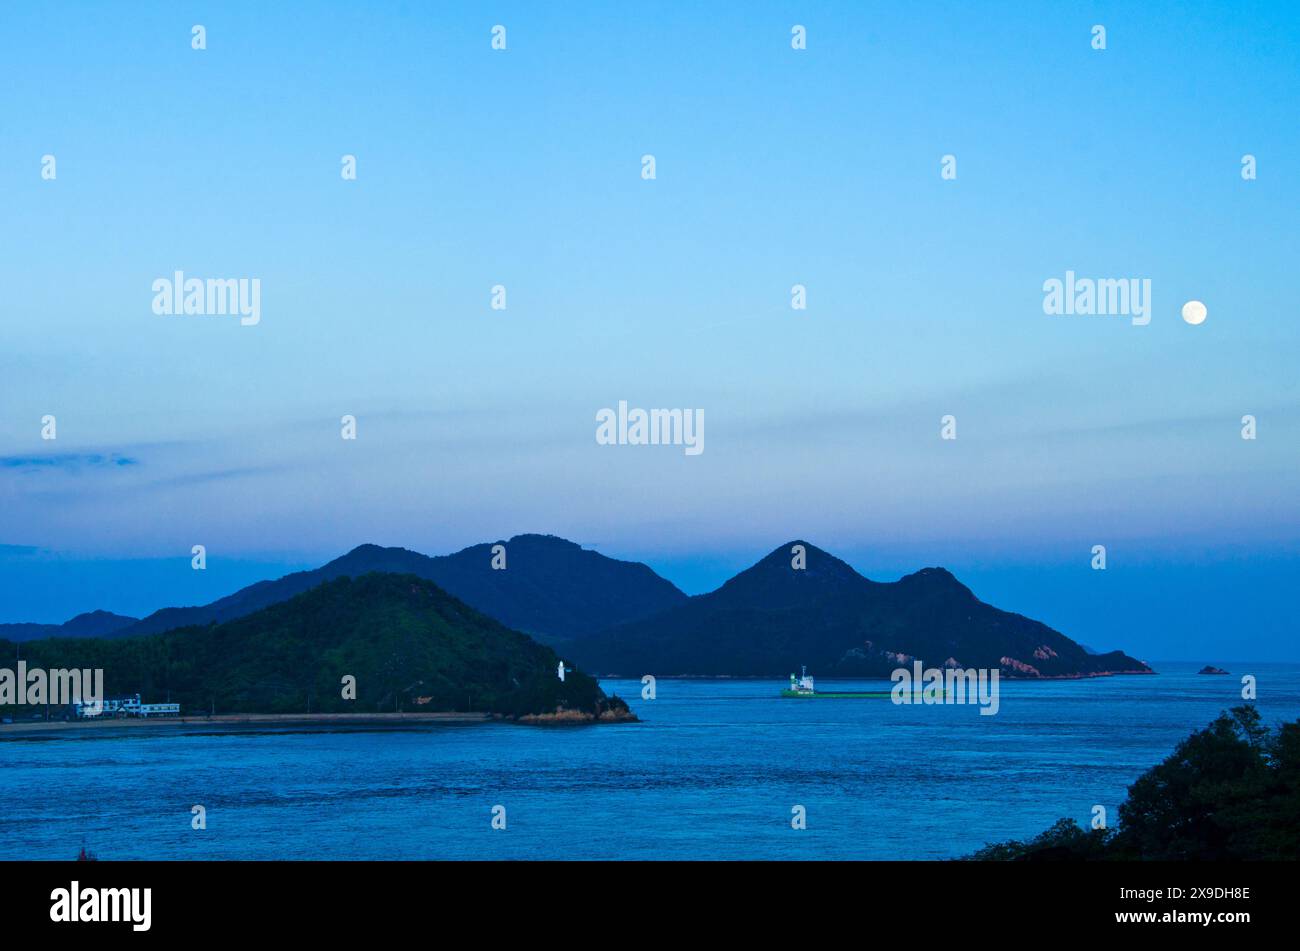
x=773 y=167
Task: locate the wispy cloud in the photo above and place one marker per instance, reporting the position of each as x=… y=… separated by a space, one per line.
x=68 y=461
x=215 y=475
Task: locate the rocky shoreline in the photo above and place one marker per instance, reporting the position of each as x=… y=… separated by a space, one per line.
x=608 y=710
x=578 y=718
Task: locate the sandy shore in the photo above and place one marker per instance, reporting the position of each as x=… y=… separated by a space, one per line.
x=256 y=721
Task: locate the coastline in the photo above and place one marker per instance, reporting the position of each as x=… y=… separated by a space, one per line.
x=270 y=722
x=256 y=721
x=577 y=718
x=857 y=677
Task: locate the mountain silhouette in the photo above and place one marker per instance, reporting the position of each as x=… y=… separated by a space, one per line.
x=618 y=617
x=551 y=589
x=90 y=624
x=773 y=617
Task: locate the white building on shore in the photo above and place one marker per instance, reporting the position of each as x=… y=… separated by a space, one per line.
x=123 y=707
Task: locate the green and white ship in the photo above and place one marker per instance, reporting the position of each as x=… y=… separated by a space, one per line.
x=802 y=687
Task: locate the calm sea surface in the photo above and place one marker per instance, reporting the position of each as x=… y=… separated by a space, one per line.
x=711 y=772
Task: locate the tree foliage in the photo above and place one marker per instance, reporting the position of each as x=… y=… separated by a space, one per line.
x=404 y=639
x=1230 y=791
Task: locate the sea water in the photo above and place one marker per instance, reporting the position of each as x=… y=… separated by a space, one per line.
x=713 y=771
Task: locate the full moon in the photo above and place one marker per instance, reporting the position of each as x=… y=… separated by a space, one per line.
x=1194 y=312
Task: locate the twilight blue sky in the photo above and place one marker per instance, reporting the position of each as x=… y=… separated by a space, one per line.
x=775 y=167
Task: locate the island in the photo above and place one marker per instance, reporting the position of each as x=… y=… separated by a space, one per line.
x=376 y=644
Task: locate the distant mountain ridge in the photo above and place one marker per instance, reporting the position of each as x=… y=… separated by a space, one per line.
x=771 y=618
x=90 y=624
x=551 y=589
x=618 y=617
